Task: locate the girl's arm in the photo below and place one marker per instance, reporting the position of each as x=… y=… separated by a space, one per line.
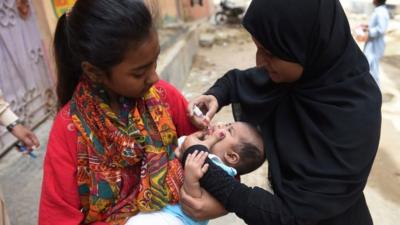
x=59 y=200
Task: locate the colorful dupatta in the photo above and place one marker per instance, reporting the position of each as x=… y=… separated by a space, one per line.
x=124 y=167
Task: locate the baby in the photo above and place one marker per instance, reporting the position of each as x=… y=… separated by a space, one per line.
x=241 y=151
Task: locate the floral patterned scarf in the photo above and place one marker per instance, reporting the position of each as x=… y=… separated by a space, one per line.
x=124 y=166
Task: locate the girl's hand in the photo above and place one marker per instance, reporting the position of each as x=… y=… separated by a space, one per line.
x=208 y=104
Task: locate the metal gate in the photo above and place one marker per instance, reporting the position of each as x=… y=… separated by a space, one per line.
x=24 y=75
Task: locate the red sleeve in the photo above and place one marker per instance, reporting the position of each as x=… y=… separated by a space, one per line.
x=59 y=200
x=177 y=105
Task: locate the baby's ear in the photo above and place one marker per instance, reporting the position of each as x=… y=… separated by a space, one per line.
x=232 y=158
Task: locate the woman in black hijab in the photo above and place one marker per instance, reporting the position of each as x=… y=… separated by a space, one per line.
x=318 y=108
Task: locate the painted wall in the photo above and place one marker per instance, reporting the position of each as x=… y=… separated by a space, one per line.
x=47 y=18
x=196 y=12
x=46 y=21
x=170 y=10
x=175 y=10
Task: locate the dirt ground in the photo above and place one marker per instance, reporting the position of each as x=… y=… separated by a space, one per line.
x=234 y=49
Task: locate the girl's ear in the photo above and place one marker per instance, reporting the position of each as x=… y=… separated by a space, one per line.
x=92 y=72
x=232 y=158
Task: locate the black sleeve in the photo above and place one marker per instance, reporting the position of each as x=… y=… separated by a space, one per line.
x=224 y=89
x=254 y=205
x=247 y=90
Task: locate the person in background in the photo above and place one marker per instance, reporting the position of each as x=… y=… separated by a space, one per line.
x=22 y=133
x=375 y=32
x=14 y=126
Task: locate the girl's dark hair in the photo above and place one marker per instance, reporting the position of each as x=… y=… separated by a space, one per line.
x=99 y=32
x=381 y=2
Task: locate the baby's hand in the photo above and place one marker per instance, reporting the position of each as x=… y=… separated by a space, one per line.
x=194 y=168
x=178 y=152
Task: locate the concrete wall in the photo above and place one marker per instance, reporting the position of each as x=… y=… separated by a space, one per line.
x=175 y=62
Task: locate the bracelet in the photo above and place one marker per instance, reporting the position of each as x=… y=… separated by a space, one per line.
x=12 y=125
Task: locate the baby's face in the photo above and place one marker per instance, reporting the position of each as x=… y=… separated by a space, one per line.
x=234 y=133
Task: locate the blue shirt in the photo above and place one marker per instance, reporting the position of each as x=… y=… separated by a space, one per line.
x=377 y=27
x=177 y=209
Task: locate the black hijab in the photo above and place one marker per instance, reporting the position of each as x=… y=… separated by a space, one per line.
x=321 y=132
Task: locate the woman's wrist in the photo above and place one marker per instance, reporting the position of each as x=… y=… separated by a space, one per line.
x=193 y=189
x=215 y=95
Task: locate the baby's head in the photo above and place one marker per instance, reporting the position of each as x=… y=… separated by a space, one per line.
x=242 y=147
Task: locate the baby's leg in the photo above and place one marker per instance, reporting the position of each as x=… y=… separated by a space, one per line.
x=158 y=218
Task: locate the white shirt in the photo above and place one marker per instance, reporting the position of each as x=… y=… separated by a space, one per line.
x=7 y=116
